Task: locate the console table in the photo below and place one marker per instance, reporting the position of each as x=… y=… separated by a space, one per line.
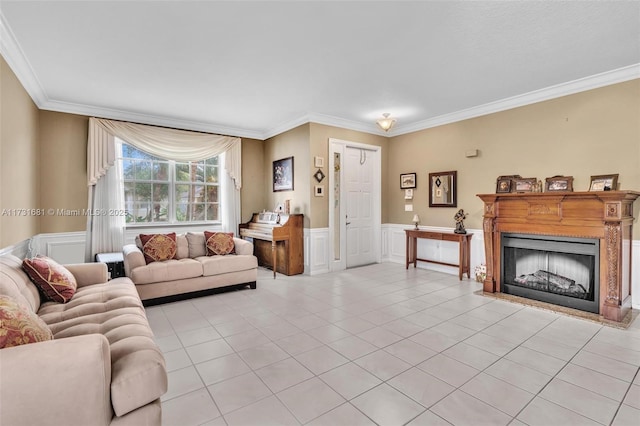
x=463 y=240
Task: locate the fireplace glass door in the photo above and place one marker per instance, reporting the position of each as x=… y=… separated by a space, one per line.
x=558 y=270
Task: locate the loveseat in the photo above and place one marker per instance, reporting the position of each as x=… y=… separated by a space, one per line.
x=191 y=271
x=101 y=367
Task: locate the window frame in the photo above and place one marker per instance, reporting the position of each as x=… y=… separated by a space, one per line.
x=173 y=183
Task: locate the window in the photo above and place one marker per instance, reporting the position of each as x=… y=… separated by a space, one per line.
x=158 y=191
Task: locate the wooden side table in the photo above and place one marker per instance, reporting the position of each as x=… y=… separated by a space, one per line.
x=463 y=240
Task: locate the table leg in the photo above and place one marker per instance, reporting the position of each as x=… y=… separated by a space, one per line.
x=274 y=258
x=406 y=253
x=461 y=260
x=468 y=254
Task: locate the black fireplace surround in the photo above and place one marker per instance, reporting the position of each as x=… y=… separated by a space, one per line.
x=559 y=270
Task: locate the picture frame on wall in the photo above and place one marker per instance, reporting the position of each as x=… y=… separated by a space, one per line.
x=443 y=190
x=408 y=194
x=283 y=175
x=604 y=183
x=559 y=184
x=408 y=181
x=318 y=190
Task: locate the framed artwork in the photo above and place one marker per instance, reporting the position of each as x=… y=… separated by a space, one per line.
x=503 y=185
x=525 y=184
x=319 y=175
x=443 y=189
x=318 y=190
x=559 y=183
x=604 y=183
x=283 y=175
x=408 y=181
x=318 y=161
x=408 y=194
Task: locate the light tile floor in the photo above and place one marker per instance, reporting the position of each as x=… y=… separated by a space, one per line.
x=384 y=345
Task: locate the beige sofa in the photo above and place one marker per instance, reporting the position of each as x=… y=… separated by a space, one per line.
x=102 y=367
x=192 y=272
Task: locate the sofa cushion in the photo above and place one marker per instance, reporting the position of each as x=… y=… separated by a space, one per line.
x=182 y=247
x=214 y=265
x=197 y=244
x=114 y=309
x=15 y=282
x=168 y=270
x=158 y=247
x=55 y=281
x=219 y=243
x=19 y=325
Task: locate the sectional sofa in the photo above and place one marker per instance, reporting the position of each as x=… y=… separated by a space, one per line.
x=94 y=361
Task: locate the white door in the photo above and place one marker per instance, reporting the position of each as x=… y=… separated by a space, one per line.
x=359 y=173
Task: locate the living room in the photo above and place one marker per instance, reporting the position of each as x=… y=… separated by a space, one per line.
x=578 y=127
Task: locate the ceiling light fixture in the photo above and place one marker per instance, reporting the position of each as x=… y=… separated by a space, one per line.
x=386 y=122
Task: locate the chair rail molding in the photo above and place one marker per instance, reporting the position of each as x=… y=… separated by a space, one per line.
x=68 y=247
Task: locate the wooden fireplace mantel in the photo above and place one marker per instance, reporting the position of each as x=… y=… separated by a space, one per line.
x=606 y=215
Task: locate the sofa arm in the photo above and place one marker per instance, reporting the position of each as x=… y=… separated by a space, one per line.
x=89 y=273
x=243 y=246
x=57 y=382
x=133 y=258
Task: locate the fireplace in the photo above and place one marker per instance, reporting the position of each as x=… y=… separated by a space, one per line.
x=554 y=269
x=564 y=248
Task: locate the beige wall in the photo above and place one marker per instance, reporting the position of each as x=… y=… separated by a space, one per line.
x=19 y=159
x=252 y=195
x=589 y=133
x=63 y=175
x=43 y=157
x=319 y=145
x=293 y=143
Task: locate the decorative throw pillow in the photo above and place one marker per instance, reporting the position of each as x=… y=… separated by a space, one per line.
x=158 y=247
x=219 y=243
x=197 y=246
x=54 y=280
x=19 y=325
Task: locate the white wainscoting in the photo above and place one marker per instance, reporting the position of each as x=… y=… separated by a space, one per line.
x=130 y=234
x=316 y=251
x=63 y=247
x=20 y=250
x=69 y=247
x=441 y=251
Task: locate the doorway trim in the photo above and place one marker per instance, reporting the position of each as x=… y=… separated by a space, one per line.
x=339 y=222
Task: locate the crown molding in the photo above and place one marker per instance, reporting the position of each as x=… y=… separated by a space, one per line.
x=123 y=115
x=607 y=78
x=19 y=64
x=326 y=120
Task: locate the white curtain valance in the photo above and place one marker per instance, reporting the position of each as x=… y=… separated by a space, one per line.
x=172 y=144
x=101 y=152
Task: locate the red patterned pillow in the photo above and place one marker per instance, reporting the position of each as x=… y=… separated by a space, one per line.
x=158 y=247
x=53 y=279
x=219 y=243
x=19 y=325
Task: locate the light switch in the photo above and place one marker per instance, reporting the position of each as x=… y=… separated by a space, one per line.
x=408 y=207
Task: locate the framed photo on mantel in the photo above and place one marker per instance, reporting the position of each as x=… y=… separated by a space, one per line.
x=559 y=184
x=604 y=183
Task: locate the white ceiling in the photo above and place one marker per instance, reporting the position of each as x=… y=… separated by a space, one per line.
x=255 y=69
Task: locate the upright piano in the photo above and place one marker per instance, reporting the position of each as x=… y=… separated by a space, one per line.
x=277 y=241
